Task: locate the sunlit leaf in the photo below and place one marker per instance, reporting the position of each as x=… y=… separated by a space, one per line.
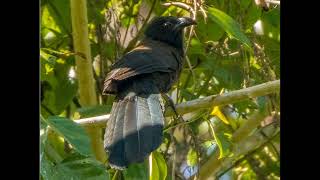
x=80 y=167
x=217 y=112
x=228 y=24
x=208 y=31
x=72 y=132
x=158 y=167
x=60 y=11
x=192 y=157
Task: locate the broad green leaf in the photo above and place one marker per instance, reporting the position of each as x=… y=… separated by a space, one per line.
x=192 y=157
x=252 y=15
x=225 y=144
x=48 y=155
x=272 y=17
x=80 y=168
x=136 y=171
x=158 y=169
x=96 y=11
x=196 y=47
x=228 y=24
x=60 y=12
x=225 y=70
x=47 y=22
x=208 y=31
x=245 y=3
x=75 y=166
x=64 y=93
x=72 y=132
x=46 y=166
x=271 y=25
x=43 y=136
x=56 y=143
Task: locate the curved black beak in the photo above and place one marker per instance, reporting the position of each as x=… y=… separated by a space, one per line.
x=184 y=22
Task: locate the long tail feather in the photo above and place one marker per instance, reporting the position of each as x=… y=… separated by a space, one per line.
x=134 y=129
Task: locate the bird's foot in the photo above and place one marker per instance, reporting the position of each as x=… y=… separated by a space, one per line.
x=171 y=104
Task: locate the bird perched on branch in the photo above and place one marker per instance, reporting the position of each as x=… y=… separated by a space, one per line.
x=135 y=126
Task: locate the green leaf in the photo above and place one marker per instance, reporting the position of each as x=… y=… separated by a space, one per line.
x=72 y=132
x=222 y=141
x=55 y=72
x=48 y=155
x=192 y=157
x=75 y=166
x=228 y=24
x=55 y=143
x=208 y=31
x=48 y=22
x=60 y=12
x=136 y=171
x=158 y=167
x=80 y=168
x=271 y=25
x=96 y=11
x=196 y=47
x=225 y=69
x=245 y=3
x=253 y=14
x=224 y=144
x=262 y=103
x=46 y=166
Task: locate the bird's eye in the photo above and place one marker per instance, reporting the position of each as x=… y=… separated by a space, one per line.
x=167 y=24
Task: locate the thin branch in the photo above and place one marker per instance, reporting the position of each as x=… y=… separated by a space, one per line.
x=98 y=121
x=202 y=103
x=227 y=98
x=84 y=71
x=182 y=6
x=203 y=12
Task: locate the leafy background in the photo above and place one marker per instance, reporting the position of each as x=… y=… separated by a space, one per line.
x=235 y=45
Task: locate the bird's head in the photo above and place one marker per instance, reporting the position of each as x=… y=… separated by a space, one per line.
x=168 y=29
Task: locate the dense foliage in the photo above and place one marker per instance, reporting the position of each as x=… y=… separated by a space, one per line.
x=235 y=45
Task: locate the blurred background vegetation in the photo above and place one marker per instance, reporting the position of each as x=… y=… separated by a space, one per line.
x=235 y=45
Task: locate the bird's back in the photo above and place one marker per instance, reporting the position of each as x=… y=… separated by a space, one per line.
x=149 y=58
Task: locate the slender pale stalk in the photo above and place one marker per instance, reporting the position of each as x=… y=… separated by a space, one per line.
x=84 y=71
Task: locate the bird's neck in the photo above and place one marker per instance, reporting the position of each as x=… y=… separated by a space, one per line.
x=150 y=42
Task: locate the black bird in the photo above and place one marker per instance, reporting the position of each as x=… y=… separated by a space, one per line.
x=135 y=126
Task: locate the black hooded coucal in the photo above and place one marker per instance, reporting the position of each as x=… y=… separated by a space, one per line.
x=135 y=126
